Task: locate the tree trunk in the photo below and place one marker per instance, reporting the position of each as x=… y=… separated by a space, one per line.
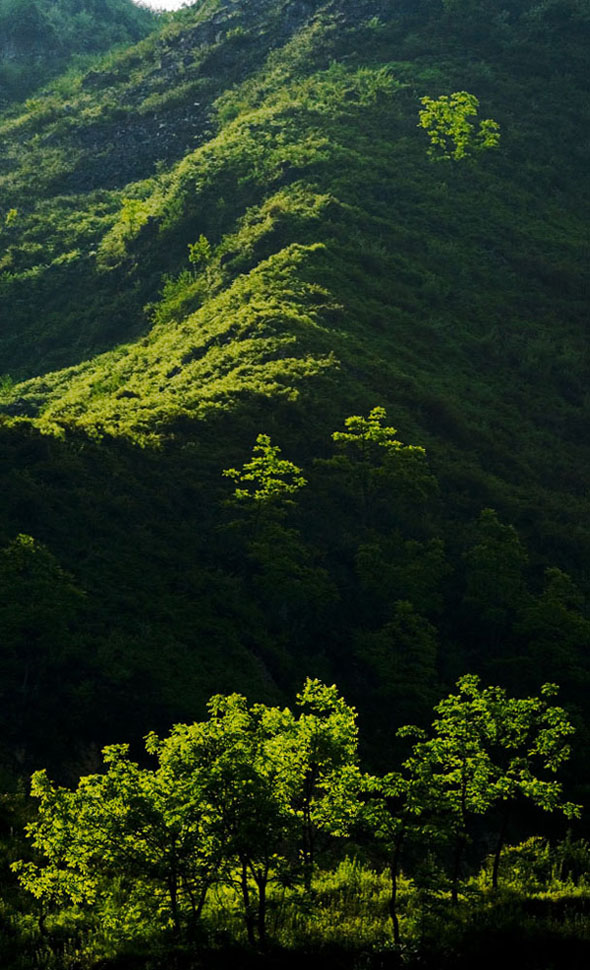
x=393 y=870
x=458 y=858
x=201 y=902
x=197 y=902
x=307 y=834
x=247 y=904
x=173 y=893
x=499 y=847
x=261 y=884
x=460 y=840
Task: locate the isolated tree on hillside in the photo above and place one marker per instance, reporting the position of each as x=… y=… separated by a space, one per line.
x=266 y=484
x=291 y=584
x=448 y=122
x=383 y=475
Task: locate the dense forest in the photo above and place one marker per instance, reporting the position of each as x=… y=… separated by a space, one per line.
x=293 y=390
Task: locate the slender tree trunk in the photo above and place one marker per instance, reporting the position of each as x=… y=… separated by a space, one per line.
x=201 y=902
x=500 y=846
x=197 y=901
x=394 y=870
x=307 y=852
x=457 y=860
x=460 y=841
x=173 y=893
x=307 y=834
x=247 y=903
x=261 y=883
x=41 y=919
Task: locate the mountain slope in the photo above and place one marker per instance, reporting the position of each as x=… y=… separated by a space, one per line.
x=336 y=267
x=38 y=38
x=462 y=289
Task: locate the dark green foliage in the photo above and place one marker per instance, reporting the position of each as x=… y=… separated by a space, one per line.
x=39 y=604
x=39 y=37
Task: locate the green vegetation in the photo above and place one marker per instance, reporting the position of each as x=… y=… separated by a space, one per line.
x=238 y=244
x=452 y=135
x=40 y=38
x=256 y=815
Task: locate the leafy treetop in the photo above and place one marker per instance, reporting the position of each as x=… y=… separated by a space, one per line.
x=447 y=120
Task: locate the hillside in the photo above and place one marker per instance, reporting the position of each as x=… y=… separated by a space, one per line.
x=337 y=267
x=40 y=38
x=293 y=384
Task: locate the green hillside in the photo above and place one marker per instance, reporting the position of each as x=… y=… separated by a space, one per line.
x=338 y=266
x=41 y=38
x=294 y=382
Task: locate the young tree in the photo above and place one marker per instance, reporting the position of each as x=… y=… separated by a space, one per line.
x=452 y=133
x=239 y=763
x=272 y=782
x=325 y=795
x=397 y=810
x=382 y=474
x=487 y=749
x=141 y=836
x=455 y=767
x=267 y=482
x=532 y=743
x=199 y=255
x=286 y=578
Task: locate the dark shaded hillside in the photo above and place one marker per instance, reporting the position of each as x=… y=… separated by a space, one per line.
x=38 y=38
x=337 y=267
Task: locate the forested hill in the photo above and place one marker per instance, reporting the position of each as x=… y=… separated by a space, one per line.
x=239 y=227
x=39 y=38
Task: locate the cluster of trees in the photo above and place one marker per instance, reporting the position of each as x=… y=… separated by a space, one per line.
x=256 y=796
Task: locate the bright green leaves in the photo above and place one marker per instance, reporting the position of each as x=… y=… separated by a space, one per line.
x=449 y=123
x=130 y=833
x=238 y=799
x=248 y=800
x=496 y=745
x=114 y=246
x=485 y=750
x=267 y=479
x=368 y=455
x=288 y=580
x=363 y=433
x=455 y=765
